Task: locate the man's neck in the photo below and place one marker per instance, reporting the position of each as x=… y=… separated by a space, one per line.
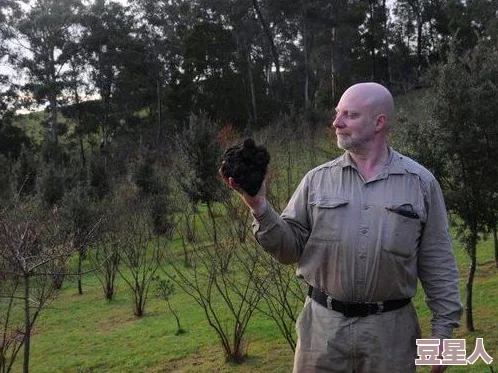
x=369 y=163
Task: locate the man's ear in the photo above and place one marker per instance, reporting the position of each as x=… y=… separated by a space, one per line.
x=381 y=123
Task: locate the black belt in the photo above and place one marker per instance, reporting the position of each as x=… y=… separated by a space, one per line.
x=356 y=309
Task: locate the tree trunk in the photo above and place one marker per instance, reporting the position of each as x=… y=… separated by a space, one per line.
x=53 y=120
x=80 y=260
x=78 y=118
x=372 y=38
x=158 y=108
x=179 y=329
x=186 y=256
x=253 y=96
x=386 y=42
x=306 y=63
x=52 y=98
x=273 y=48
x=495 y=239
x=419 y=41
x=82 y=152
x=27 y=324
x=190 y=229
x=333 y=67
x=471 y=250
x=213 y=222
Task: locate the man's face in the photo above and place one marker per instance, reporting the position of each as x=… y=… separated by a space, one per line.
x=354 y=123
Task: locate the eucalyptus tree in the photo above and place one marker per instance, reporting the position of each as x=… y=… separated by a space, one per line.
x=251 y=60
x=460 y=144
x=485 y=17
x=75 y=78
x=161 y=28
x=419 y=18
x=47 y=30
x=374 y=36
x=108 y=34
x=455 y=22
x=9 y=11
x=197 y=162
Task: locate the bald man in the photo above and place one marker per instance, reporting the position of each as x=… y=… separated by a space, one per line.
x=363 y=229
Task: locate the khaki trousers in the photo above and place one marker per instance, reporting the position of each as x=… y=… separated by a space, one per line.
x=328 y=342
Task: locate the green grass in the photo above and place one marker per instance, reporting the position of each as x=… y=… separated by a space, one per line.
x=485 y=306
x=85 y=333
x=88 y=334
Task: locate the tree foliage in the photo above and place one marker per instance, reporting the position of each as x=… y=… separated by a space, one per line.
x=460 y=143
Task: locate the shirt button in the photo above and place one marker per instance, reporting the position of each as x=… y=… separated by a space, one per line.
x=364 y=231
x=366 y=207
x=362 y=255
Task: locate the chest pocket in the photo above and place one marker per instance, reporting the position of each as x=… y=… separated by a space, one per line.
x=401 y=230
x=328 y=217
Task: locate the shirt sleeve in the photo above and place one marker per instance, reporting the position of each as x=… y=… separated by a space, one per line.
x=284 y=236
x=437 y=268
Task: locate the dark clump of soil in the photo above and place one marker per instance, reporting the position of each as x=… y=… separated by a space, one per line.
x=246 y=163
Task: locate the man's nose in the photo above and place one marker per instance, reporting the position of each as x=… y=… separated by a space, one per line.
x=337 y=121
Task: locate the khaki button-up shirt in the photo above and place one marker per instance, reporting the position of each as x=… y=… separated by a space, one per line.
x=369 y=241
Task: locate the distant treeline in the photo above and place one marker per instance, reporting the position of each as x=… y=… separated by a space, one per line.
x=242 y=62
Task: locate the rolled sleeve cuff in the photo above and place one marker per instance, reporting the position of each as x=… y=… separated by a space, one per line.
x=443 y=327
x=265 y=221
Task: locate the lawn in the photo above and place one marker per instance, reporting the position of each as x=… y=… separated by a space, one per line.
x=85 y=333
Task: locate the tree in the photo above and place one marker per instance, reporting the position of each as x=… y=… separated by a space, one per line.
x=461 y=142
x=142 y=254
x=76 y=84
x=105 y=254
x=419 y=17
x=283 y=295
x=163 y=28
x=198 y=157
x=48 y=28
x=221 y=281
x=165 y=290
x=80 y=220
x=11 y=137
x=108 y=44
x=31 y=243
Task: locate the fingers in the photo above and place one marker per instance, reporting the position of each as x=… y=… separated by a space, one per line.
x=225 y=179
x=230 y=182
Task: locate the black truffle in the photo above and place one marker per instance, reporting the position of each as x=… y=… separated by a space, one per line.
x=246 y=163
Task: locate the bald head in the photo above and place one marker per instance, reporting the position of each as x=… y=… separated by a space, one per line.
x=373 y=96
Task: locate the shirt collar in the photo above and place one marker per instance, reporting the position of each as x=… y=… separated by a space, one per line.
x=394 y=163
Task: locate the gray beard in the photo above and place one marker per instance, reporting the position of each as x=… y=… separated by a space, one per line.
x=346 y=145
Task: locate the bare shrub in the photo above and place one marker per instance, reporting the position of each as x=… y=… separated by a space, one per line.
x=142 y=253
x=32 y=248
x=221 y=281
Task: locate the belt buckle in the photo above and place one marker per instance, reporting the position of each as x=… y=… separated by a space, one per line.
x=380 y=308
x=329 y=302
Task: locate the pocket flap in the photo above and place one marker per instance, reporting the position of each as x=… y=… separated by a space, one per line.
x=330 y=203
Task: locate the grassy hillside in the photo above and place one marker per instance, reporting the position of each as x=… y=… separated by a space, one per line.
x=87 y=334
